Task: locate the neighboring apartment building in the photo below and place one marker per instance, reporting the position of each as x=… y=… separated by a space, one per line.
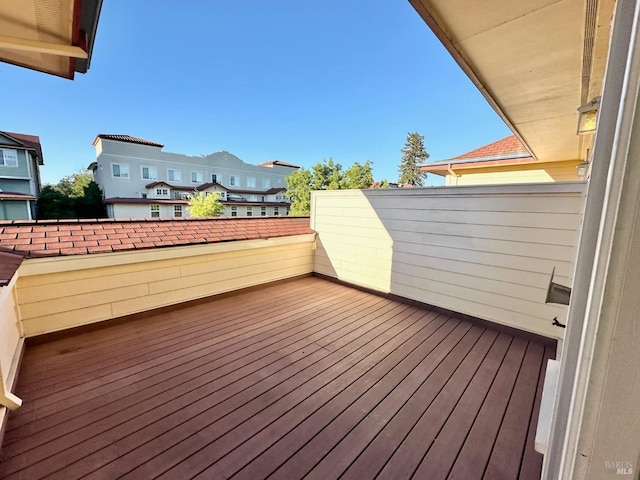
x=503 y=161
x=20 y=158
x=138 y=179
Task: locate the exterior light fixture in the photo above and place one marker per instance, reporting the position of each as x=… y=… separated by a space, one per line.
x=587 y=116
x=582 y=169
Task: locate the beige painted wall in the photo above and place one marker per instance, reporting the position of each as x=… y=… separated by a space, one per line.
x=485 y=251
x=527 y=173
x=63 y=292
x=10 y=344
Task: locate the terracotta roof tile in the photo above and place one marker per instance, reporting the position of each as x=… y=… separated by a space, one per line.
x=73 y=237
x=506 y=146
x=127 y=139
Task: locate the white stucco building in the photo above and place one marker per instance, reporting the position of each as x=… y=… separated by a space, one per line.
x=138 y=179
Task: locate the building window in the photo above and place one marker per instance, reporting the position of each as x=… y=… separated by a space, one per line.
x=120 y=170
x=234 y=180
x=155 y=211
x=177 y=210
x=251 y=182
x=196 y=177
x=215 y=178
x=249 y=211
x=234 y=211
x=265 y=183
x=174 y=175
x=263 y=211
x=276 y=211
x=143 y=195
x=8 y=157
x=288 y=211
x=164 y=192
x=149 y=173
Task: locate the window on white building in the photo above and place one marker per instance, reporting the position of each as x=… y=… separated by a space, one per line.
x=249 y=211
x=263 y=211
x=8 y=157
x=174 y=175
x=234 y=211
x=177 y=210
x=120 y=170
x=234 y=180
x=164 y=192
x=215 y=178
x=251 y=182
x=276 y=211
x=155 y=211
x=196 y=177
x=265 y=183
x=149 y=173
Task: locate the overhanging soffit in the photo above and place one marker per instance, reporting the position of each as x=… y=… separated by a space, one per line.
x=535 y=61
x=52 y=36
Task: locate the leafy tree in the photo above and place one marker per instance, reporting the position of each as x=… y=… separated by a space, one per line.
x=299 y=186
x=74 y=185
x=357 y=176
x=203 y=204
x=52 y=204
x=413 y=156
x=325 y=175
x=75 y=196
x=90 y=205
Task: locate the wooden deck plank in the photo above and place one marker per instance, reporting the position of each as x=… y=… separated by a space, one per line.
x=159 y=344
x=531 y=465
x=100 y=344
x=146 y=412
x=212 y=352
x=183 y=418
x=242 y=438
x=282 y=399
x=149 y=391
x=458 y=368
x=290 y=436
x=408 y=456
x=506 y=454
x=307 y=377
x=442 y=454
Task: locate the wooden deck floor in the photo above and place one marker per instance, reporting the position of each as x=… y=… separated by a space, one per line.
x=300 y=379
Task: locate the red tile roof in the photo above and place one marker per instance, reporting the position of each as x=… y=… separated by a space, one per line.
x=30 y=142
x=46 y=238
x=128 y=139
x=279 y=163
x=16 y=196
x=9 y=263
x=507 y=146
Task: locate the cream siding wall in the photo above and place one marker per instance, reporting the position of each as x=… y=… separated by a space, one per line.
x=11 y=342
x=63 y=292
x=529 y=173
x=482 y=251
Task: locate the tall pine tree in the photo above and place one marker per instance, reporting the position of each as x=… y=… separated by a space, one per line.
x=413 y=157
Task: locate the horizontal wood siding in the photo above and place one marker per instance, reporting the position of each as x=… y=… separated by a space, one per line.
x=9 y=331
x=59 y=293
x=528 y=173
x=485 y=251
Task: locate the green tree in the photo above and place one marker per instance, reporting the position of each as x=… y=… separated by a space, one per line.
x=357 y=176
x=413 y=157
x=299 y=186
x=90 y=205
x=203 y=204
x=325 y=175
x=73 y=186
x=52 y=204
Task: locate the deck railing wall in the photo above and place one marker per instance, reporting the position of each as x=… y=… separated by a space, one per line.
x=63 y=292
x=486 y=251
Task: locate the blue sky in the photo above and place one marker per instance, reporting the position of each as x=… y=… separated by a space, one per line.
x=298 y=81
